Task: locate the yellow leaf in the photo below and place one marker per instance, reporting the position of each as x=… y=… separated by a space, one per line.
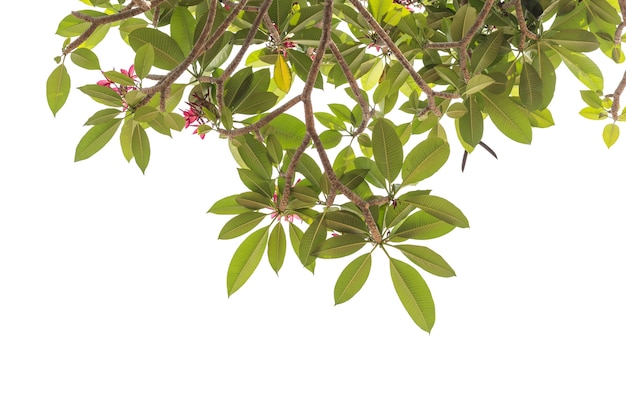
x=282 y=74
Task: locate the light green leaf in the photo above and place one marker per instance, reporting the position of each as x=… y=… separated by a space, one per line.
x=144 y=59
x=352 y=278
x=345 y=222
x=245 y=260
x=85 y=58
x=577 y=40
x=487 y=52
x=594 y=113
x=387 y=148
x=241 y=224
x=277 y=247
x=582 y=67
x=57 y=88
x=424 y=160
x=610 y=134
x=146 y=114
x=141 y=147
x=370 y=79
x=95 y=139
x=126 y=139
x=427 y=259
x=413 y=293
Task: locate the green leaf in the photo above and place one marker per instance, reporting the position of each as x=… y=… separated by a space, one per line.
x=462 y=21
x=470 y=126
x=487 y=52
x=282 y=74
x=577 y=40
x=594 y=113
x=57 y=88
x=119 y=78
x=241 y=224
x=228 y=205
x=182 y=28
x=277 y=247
x=582 y=67
x=345 y=222
x=254 y=155
x=439 y=208
x=424 y=160
x=387 y=148
x=530 y=88
x=255 y=182
x=422 y=226
x=95 y=139
x=592 y=98
x=167 y=53
x=544 y=67
x=126 y=138
x=379 y=8
x=289 y=130
x=245 y=260
x=141 y=147
x=144 y=59
x=508 y=117
x=610 y=134
x=352 y=278
x=339 y=246
x=103 y=95
x=413 y=293
x=477 y=83
x=427 y=259
x=311 y=239
x=85 y=58
x=371 y=78
x=253 y=201
x=102 y=116
x=146 y=114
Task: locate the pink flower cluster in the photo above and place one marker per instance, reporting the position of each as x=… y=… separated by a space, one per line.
x=278 y=215
x=194 y=117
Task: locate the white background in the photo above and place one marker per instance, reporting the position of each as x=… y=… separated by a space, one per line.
x=113 y=297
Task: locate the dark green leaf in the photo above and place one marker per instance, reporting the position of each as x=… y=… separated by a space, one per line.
x=339 y=246
x=387 y=149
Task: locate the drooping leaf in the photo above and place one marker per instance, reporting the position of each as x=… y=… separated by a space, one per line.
x=470 y=126
x=311 y=239
x=182 y=28
x=57 y=88
x=103 y=95
x=413 y=293
x=246 y=259
x=462 y=21
x=352 y=278
x=282 y=74
x=530 y=87
x=141 y=147
x=610 y=134
x=277 y=247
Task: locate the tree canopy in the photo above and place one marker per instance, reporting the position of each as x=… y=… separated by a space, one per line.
x=339 y=177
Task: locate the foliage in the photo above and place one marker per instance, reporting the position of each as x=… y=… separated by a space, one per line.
x=246 y=71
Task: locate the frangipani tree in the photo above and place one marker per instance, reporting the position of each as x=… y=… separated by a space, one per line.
x=341 y=177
